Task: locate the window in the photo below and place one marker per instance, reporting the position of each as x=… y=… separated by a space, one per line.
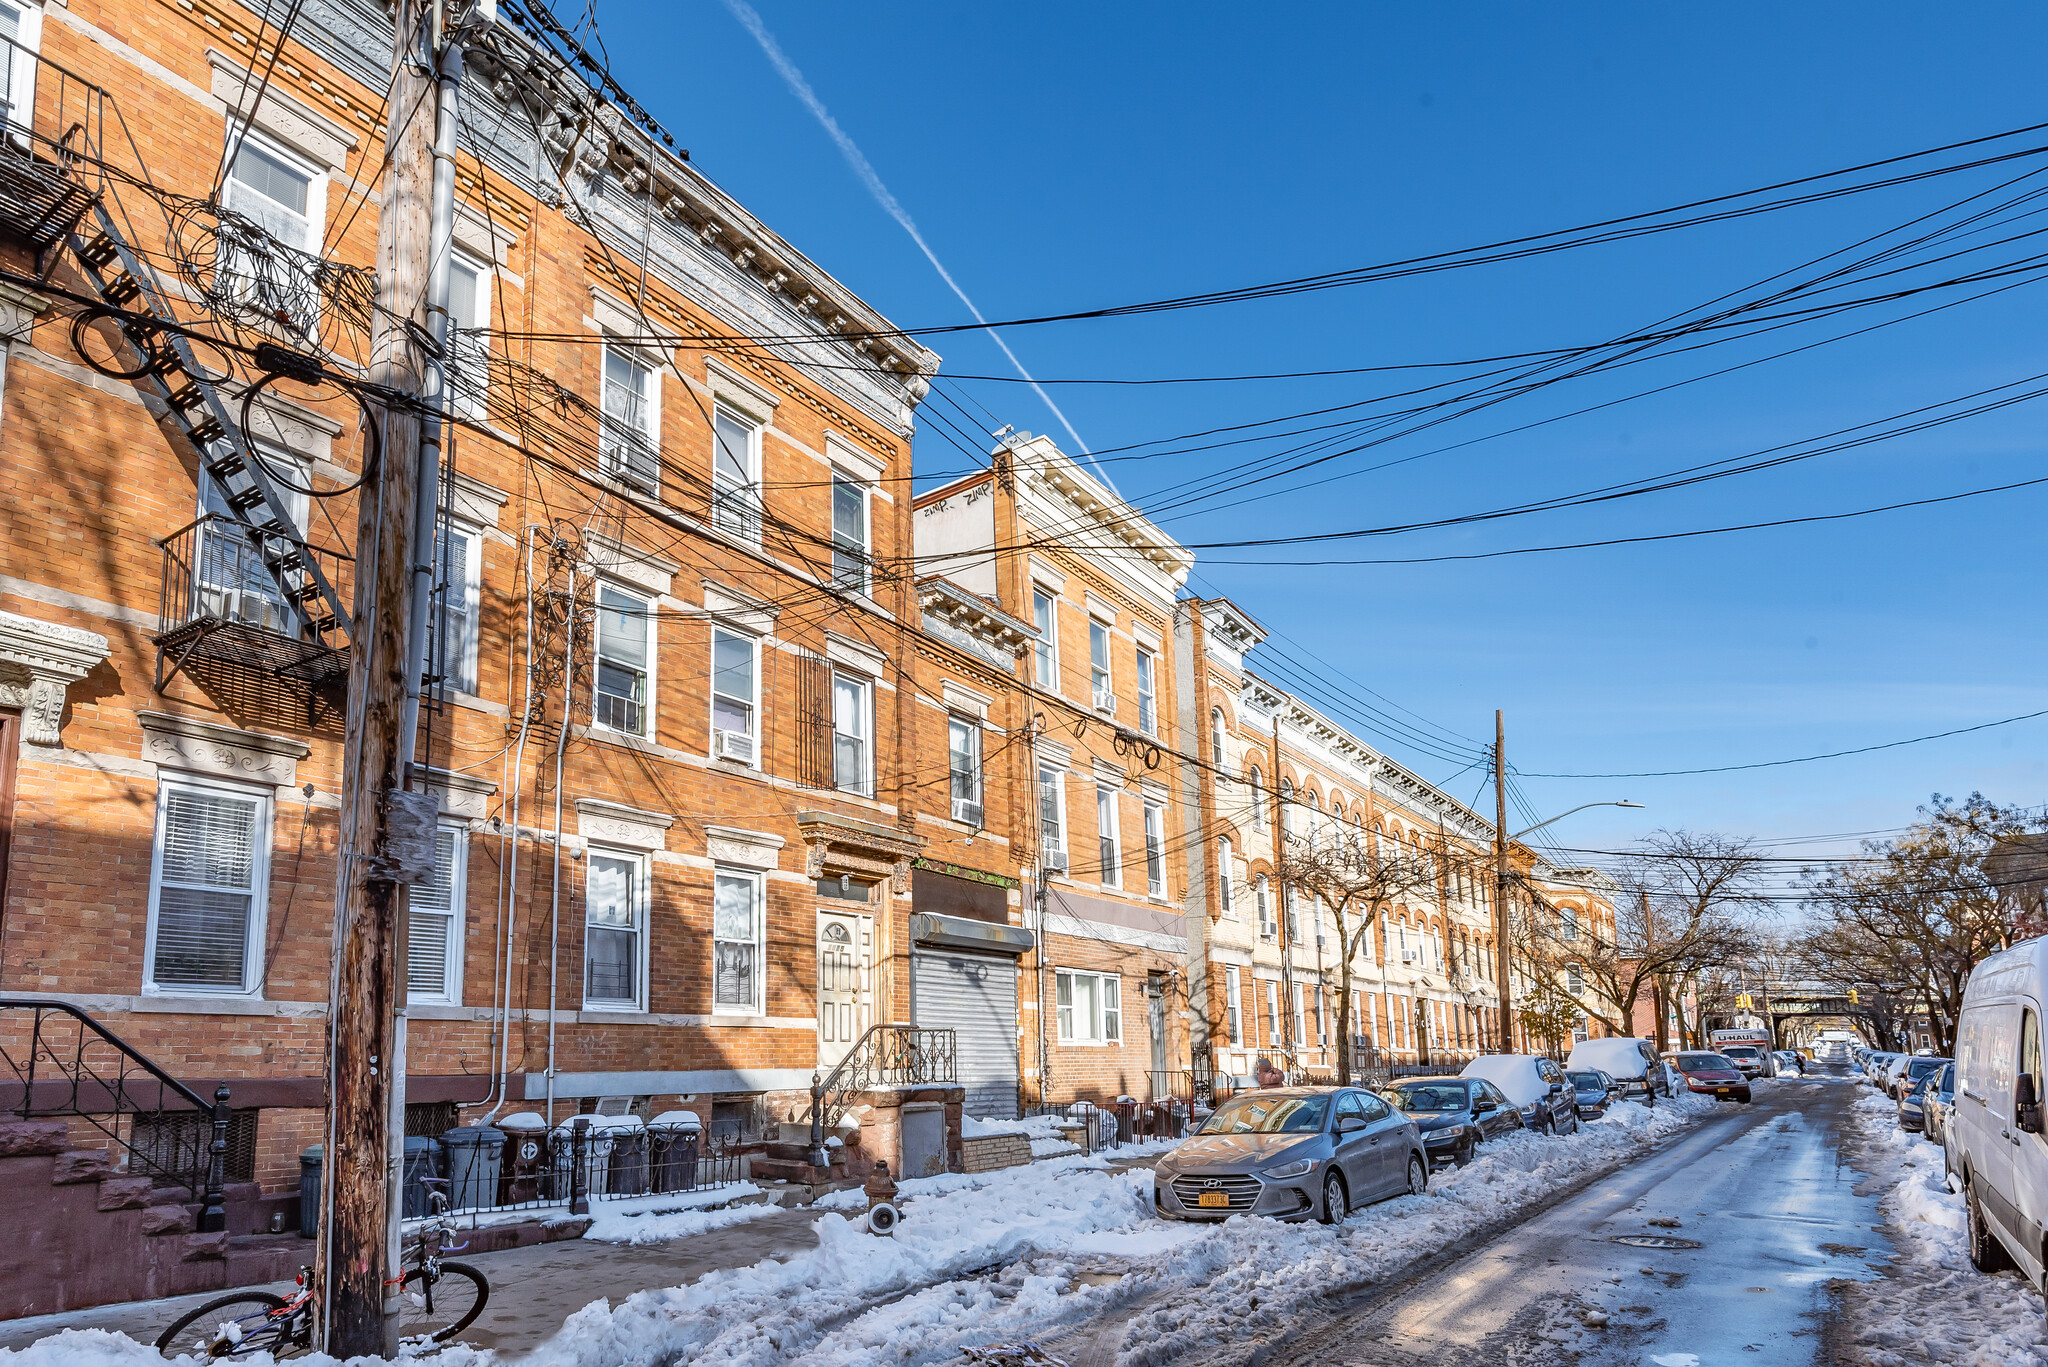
x=1300 y=1016
x=1286 y=808
x=630 y=432
x=456 y=582
x=1574 y=981
x=284 y=197
x=1148 y=706
x=433 y=923
x=1090 y=1007
x=963 y=759
x=852 y=728
x=1272 y=1012
x=1579 y=1032
x=624 y=626
x=207 y=894
x=735 y=478
x=733 y=694
x=1292 y=901
x=736 y=918
x=614 y=930
x=849 y=533
x=21 y=25
x=1098 y=667
x=1570 y=919
x=1263 y=896
x=1257 y=781
x=1225 y=894
x=1155 y=849
x=1052 y=820
x=1233 y=1005
x=1111 y=842
x=1216 y=741
x=1045 y=658
x=234 y=580
x=469 y=344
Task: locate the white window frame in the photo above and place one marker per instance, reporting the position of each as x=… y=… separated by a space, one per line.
x=1102 y=675
x=21 y=76
x=649 y=430
x=1300 y=1015
x=1574 y=980
x=964 y=782
x=1257 y=782
x=1105 y=1026
x=457 y=914
x=1045 y=651
x=1052 y=777
x=1216 y=751
x=726 y=495
x=863 y=552
x=759 y=883
x=1569 y=923
x=1226 y=895
x=643 y=868
x=259 y=899
x=1262 y=898
x=459 y=666
x=468 y=352
x=1272 y=1011
x=1155 y=849
x=649 y=642
x=753 y=700
x=863 y=784
x=1108 y=831
x=315 y=212
x=1147 y=677
x=1233 y=1005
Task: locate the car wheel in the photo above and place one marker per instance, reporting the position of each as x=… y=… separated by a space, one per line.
x=1418 y=1175
x=1336 y=1200
x=1462 y=1155
x=1986 y=1253
x=1576 y=1122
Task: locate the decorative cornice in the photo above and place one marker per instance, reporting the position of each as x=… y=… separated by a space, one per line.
x=181 y=742
x=39 y=661
x=970 y=612
x=835 y=841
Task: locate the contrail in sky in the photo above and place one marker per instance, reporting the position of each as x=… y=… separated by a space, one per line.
x=745 y=13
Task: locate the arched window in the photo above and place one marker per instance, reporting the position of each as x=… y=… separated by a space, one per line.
x=1286 y=806
x=1263 y=896
x=1258 y=783
x=1216 y=740
x=1223 y=877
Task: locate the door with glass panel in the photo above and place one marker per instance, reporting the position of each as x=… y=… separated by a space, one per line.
x=844 y=963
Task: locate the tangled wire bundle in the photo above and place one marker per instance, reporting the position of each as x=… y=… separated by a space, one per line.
x=238 y=269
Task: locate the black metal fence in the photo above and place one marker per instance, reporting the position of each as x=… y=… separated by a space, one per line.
x=577 y=1163
x=1094 y=1128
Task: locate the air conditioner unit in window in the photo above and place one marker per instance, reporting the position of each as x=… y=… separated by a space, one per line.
x=732 y=745
x=1053 y=859
x=967 y=812
x=1411 y=956
x=1105 y=701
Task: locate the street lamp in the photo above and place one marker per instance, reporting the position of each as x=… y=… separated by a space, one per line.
x=1500 y=909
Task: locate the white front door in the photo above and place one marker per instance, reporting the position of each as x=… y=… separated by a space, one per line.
x=845 y=961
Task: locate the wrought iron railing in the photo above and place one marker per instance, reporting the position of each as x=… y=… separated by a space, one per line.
x=58 y=1063
x=575 y=1164
x=892 y=1055
x=236 y=591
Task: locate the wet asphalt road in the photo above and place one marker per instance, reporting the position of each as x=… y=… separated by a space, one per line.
x=1717 y=1249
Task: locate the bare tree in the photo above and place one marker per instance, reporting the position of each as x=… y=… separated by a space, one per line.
x=1358 y=879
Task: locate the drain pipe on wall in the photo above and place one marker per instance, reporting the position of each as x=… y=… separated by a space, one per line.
x=555 y=895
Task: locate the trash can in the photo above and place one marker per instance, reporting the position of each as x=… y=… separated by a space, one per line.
x=563 y=1140
x=309 y=1191
x=475 y=1154
x=423 y=1175
x=674 y=1140
x=626 y=1162
x=523 y=1171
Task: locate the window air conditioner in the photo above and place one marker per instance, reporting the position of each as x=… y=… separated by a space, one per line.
x=1053 y=859
x=1105 y=701
x=732 y=745
x=967 y=812
x=1411 y=956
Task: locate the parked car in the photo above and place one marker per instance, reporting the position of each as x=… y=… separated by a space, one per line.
x=1629 y=1061
x=1292 y=1153
x=1789 y=1060
x=1593 y=1090
x=1913 y=1106
x=1712 y=1075
x=1907 y=1076
x=1455 y=1114
x=1995 y=1133
x=1938 y=1102
x=1536 y=1085
x=1873 y=1064
x=1752 y=1060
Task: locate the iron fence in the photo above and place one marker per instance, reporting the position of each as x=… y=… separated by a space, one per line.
x=1096 y=1128
x=576 y=1163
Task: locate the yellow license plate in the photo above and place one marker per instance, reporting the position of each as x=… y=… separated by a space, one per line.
x=1214 y=1198
x=1720 y=1091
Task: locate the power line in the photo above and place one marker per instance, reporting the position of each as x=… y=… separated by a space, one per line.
x=1804 y=759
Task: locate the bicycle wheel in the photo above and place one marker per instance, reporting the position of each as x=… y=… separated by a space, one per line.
x=439 y=1310
x=231 y=1326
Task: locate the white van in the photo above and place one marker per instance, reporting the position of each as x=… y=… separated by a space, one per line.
x=1629 y=1061
x=1995 y=1134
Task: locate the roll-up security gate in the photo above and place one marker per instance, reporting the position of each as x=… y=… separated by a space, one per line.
x=975 y=996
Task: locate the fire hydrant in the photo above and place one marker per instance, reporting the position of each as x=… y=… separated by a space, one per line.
x=882 y=1213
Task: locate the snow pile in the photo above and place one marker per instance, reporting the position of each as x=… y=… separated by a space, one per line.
x=1931 y=1306
x=657 y=1219
x=973 y=1127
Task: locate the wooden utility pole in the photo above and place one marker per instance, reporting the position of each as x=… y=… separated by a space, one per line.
x=352 y=1268
x=1500 y=880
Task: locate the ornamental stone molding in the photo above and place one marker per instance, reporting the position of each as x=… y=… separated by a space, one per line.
x=749 y=849
x=176 y=742
x=843 y=844
x=610 y=823
x=465 y=795
x=39 y=661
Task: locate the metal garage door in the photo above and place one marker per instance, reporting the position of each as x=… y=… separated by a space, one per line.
x=975 y=996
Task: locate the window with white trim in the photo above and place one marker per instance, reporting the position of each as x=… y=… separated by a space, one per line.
x=1104 y=691
x=850 y=554
x=737 y=898
x=1155 y=849
x=434 y=921
x=853 y=728
x=1262 y=895
x=1570 y=919
x=1052 y=819
x=1272 y=1012
x=284 y=196
x=963 y=763
x=735 y=474
x=1090 y=1007
x=625 y=661
x=209 y=887
x=1300 y=1014
x=735 y=696
x=234 y=581
x=1110 y=839
x=615 y=931
x=1045 y=651
x=1233 y=1005
x=629 y=446
x=469 y=343
x=1148 y=701
x=1216 y=740
x=21 y=25
x=1257 y=781
x=457 y=587
x=1574 y=980
x=1226 y=901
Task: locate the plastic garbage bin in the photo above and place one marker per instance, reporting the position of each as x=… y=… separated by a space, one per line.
x=423 y=1174
x=625 y=1137
x=524 y=1169
x=476 y=1156
x=309 y=1191
x=674 y=1141
x=564 y=1158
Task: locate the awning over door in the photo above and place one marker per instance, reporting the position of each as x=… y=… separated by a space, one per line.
x=982 y=937
x=975 y=996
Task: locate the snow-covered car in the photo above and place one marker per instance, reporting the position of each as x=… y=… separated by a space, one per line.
x=1712 y=1075
x=1593 y=1090
x=1629 y=1061
x=1936 y=1102
x=1535 y=1084
x=1455 y=1114
x=1789 y=1061
x=1292 y=1153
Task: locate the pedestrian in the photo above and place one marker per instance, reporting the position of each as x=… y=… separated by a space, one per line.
x=1267 y=1074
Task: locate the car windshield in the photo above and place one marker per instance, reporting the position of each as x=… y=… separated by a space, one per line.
x=1434 y=1096
x=1921 y=1067
x=1268 y=1115
x=1739 y=1051
x=1689 y=1063
x=1588 y=1081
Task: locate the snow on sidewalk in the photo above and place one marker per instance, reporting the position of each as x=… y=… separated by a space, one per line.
x=1931 y=1305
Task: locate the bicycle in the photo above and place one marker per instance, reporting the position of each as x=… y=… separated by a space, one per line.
x=439 y=1300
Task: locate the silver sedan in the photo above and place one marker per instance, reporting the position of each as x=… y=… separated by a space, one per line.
x=1292 y=1153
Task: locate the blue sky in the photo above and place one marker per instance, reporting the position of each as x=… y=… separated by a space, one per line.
x=1066 y=157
